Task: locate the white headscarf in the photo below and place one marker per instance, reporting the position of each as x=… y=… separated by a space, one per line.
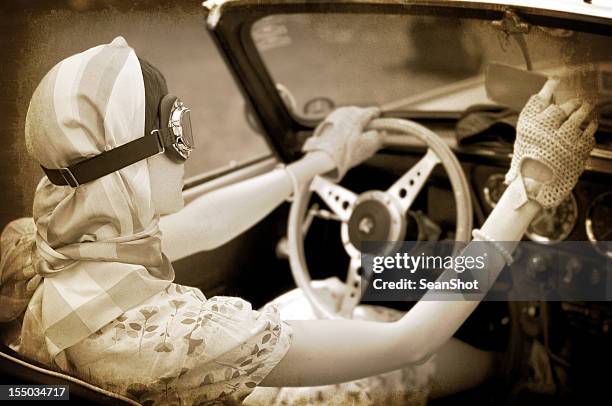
x=99 y=245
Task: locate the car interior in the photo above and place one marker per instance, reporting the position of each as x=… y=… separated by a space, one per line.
x=462 y=72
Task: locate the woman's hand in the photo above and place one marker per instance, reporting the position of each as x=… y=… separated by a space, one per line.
x=341 y=135
x=551 y=147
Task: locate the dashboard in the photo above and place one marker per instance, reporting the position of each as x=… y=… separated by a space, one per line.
x=584 y=217
x=568 y=311
x=582 y=220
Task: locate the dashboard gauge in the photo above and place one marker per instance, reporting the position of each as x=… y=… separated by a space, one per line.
x=597 y=224
x=319 y=107
x=554 y=225
x=551 y=225
x=493 y=189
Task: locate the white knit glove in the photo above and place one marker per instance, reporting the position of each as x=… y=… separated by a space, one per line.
x=341 y=135
x=551 y=134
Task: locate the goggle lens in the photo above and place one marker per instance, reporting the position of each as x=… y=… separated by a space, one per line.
x=186 y=129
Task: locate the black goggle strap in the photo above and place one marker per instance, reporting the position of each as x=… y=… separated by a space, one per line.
x=111 y=161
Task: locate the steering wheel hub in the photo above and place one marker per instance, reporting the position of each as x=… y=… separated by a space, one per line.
x=375 y=217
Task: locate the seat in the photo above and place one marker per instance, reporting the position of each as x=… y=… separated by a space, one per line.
x=16 y=369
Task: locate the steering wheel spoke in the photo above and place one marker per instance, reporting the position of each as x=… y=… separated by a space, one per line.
x=406 y=188
x=352 y=295
x=337 y=198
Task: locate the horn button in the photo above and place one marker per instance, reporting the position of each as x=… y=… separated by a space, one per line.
x=375 y=217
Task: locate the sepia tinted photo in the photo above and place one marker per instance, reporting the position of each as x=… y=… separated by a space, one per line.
x=306 y=202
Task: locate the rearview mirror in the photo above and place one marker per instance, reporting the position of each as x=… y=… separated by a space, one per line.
x=510 y=86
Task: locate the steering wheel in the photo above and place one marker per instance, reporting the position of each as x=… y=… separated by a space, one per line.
x=375 y=215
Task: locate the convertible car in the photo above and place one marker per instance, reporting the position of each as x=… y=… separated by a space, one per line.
x=450 y=77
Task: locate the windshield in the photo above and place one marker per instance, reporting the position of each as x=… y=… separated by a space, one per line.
x=404 y=62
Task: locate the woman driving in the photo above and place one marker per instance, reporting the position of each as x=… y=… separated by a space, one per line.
x=86 y=284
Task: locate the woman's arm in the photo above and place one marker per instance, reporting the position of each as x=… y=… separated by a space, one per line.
x=503 y=224
x=334 y=351
x=216 y=217
x=213 y=219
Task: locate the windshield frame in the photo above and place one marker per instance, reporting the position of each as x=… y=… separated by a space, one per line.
x=230 y=24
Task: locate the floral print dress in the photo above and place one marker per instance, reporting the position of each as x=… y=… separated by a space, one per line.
x=177 y=347
x=181 y=348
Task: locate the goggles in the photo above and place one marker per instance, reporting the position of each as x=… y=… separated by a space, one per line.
x=175 y=139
